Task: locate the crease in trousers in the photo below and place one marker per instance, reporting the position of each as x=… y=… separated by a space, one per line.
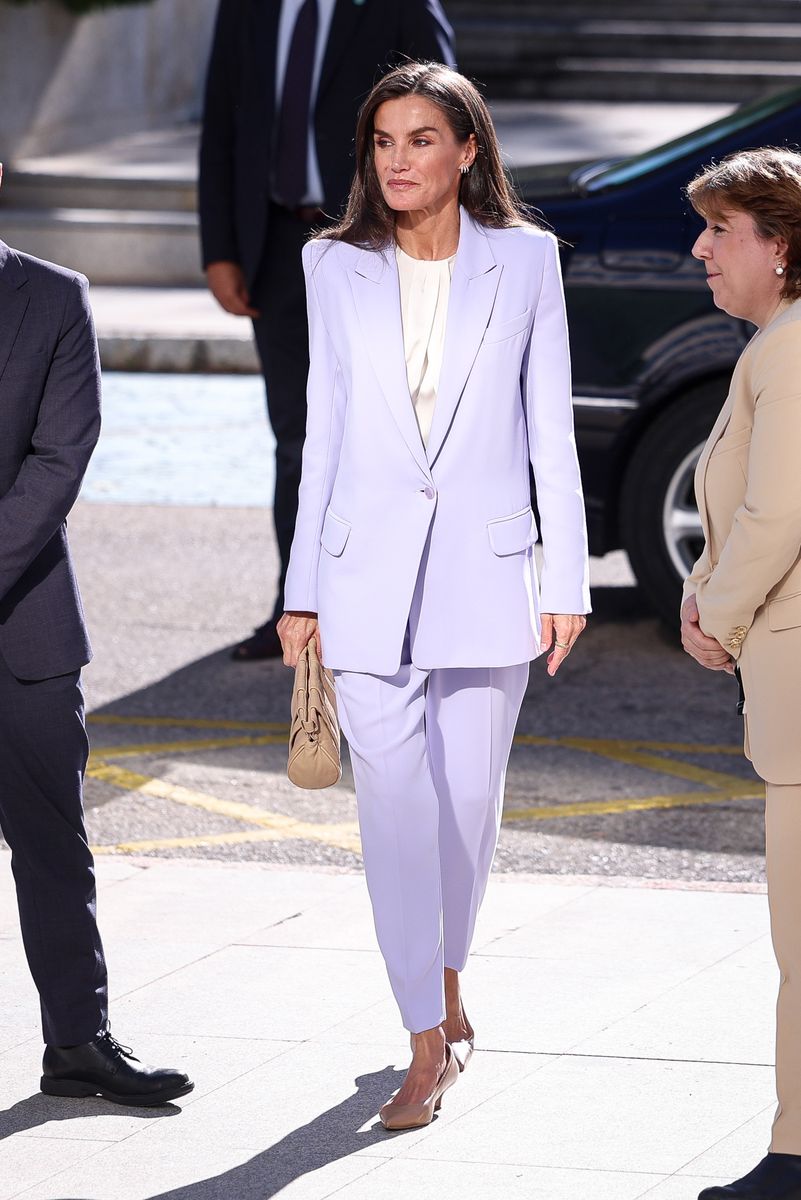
x=43 y=754
x=782 y=859
x=429 y=750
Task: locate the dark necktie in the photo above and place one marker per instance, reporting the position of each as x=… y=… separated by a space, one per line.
x=292 y=139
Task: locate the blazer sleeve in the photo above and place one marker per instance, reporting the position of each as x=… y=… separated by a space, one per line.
x=66 y=432
x=425 y=33
x=216 y=166
x=547 y=394
x=324 y=425
x=702 y=569
x=765 y=537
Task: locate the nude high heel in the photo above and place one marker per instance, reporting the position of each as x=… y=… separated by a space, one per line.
x=463 y=1049
x=415 y=1116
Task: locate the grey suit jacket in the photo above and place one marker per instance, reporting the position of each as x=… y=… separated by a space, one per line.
x=49 y=425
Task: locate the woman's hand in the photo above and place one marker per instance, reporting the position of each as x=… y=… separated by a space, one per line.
x=562 y=630
x=705 y=650
x=296 y=630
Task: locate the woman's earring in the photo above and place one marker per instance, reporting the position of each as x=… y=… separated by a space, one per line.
x=779 y=269
x=464 y=169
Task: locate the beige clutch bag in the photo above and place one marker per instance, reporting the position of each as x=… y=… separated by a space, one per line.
x=314 y=758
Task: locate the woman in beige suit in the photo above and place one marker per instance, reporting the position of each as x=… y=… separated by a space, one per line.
x=742 y=605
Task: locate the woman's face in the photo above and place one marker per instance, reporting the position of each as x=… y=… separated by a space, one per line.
x=417 y=156
x=741 y=266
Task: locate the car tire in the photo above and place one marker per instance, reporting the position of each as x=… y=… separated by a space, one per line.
x=659 y=522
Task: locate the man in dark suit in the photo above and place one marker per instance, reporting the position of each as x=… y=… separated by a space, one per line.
x=49 y=423
x=284 y=85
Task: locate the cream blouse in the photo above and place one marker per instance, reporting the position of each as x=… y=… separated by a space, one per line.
x=424 y=290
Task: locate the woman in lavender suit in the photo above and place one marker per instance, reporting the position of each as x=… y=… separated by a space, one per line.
x=439 y=371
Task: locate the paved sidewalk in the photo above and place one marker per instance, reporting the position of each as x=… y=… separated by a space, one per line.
x=625 y=1037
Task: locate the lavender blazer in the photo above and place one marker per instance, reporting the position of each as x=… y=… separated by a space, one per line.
x=378 y=510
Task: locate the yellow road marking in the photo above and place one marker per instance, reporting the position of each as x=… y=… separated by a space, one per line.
x=184 y=722
x=530 y=739
x=343 y=835
x=521 y=739
x=619 y=752
x=270 y=826
x=200 y=839
x=147 y=748
x=583 y=808
x=544 y=813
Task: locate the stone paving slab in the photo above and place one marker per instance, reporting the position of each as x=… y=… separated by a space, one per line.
x=594 y=1076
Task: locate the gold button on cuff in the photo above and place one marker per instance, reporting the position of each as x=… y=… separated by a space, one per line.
x=737 y=637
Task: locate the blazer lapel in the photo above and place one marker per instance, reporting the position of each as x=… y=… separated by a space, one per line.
x=716 y=433
x=13 y=301
x=703 y=462
x=376 y=294
x=474 y=283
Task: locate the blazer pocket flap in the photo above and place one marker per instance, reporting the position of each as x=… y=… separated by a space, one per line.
x=785 y=613
x=510 y=535
x=335 y=534
x=498 y=331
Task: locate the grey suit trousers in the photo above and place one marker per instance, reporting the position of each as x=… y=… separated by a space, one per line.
x=43 y=753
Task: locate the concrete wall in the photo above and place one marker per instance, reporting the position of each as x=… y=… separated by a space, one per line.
x=68 y=81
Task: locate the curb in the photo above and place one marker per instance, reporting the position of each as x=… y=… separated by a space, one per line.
x=156 y=353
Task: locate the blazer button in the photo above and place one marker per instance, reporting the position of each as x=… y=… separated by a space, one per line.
x=428 y=492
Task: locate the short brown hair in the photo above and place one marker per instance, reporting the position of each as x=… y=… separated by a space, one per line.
x=485 y=191
x=766 y=184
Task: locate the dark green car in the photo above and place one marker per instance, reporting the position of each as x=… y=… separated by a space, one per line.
x=652 y=356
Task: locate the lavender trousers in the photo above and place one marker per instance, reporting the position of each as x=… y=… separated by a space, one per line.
x=429 y=751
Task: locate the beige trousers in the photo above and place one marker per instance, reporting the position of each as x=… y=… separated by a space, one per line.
x=783 y=865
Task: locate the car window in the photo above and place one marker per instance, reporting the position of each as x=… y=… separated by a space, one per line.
x=602 y=176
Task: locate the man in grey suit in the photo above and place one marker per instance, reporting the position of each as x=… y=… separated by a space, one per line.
x=49 y=424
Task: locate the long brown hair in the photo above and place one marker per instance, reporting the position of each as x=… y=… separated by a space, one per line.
x=485 y=192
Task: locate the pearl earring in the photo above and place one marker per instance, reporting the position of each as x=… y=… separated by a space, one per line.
x=779 y=269
x=464 y=169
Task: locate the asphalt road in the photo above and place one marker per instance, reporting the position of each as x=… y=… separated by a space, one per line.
x=628 y=763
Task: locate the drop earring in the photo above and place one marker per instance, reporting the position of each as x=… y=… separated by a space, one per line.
x=464 y=169
x=779 y=269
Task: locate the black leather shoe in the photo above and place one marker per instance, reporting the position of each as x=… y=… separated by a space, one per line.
x=777 y=1177
x=105 y=1068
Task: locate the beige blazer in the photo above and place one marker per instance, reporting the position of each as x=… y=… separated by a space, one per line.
x=747 y=581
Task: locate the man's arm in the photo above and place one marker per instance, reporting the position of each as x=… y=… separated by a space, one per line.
x=66 y=432
x=216 y=174
x=425 y=32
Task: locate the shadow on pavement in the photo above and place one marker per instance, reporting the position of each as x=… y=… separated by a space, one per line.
x=215 y=688
x=212 y=688
x=332 y=1135
x=38 y=1109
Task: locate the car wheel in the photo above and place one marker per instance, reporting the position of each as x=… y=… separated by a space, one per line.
x=659 y=521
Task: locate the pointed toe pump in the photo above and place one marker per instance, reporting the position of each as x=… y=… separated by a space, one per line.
x=414 y=1116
